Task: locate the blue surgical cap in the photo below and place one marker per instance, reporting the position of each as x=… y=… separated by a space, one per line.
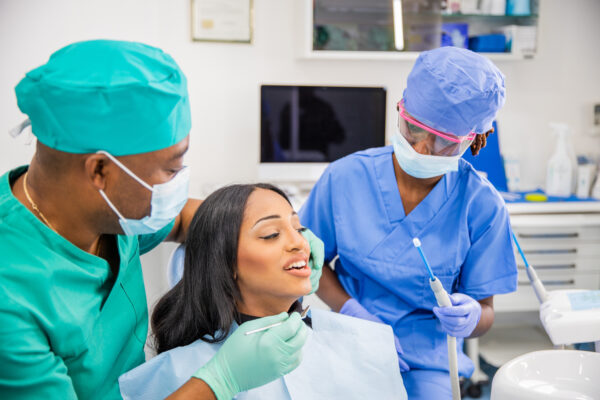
x=455 y=91
x=121 y=97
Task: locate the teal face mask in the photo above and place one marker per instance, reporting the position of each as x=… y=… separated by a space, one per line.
x=167 y=202
x=420 y=165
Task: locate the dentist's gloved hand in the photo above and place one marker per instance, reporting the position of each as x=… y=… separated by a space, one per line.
x=461 y=319
x=248 y=361
x=317 y=258
x=354 y=309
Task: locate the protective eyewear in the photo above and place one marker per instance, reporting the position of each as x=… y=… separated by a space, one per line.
x=437 y=143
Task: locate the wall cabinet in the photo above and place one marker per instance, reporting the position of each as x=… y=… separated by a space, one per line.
x=400 y=29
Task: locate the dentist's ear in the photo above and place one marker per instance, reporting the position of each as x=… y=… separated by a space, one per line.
x=96 y=170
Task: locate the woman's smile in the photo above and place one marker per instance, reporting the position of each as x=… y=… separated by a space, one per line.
x=298 y=267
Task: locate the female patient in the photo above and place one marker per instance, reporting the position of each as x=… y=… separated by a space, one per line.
x=246 y=258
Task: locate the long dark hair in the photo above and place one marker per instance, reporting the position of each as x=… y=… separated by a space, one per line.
x=203 y=304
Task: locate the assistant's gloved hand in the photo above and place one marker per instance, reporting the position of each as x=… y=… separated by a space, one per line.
x=354 y=309
x=248 y=361
x=461 y=319
x=317 y=258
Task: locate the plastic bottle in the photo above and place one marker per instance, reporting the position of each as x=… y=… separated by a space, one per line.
x=513 y=173
x=586 y=170
x=559 y=178
x=596 y=187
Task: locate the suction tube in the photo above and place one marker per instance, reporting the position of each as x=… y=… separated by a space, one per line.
x=443 y=300
x=538 y=287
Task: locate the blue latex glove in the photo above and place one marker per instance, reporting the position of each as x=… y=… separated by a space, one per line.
x=354 y=309
x=247 y=361
x=461 y=319
x=317 y=257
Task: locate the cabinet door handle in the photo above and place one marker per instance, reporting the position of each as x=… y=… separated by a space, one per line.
x=551 y=251
x=558 y=282
x=555 y=266
x=561 y=235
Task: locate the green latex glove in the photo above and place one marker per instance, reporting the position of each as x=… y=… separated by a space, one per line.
x=248 y=361
x=317 y=258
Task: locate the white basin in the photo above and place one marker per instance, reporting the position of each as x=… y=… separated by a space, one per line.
x=549 y=374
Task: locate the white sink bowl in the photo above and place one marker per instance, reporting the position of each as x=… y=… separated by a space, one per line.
x=549 y=374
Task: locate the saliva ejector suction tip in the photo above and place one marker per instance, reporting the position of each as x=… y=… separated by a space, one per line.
x=417 y=244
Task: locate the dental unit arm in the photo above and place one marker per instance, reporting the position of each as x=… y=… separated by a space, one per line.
x=538 y=287
x=569 y=316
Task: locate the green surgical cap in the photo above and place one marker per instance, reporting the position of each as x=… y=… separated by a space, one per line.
x=121 y=97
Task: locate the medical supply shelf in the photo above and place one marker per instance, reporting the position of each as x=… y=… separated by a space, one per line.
x=562 y=241
x=376 y=14
x=390 y=56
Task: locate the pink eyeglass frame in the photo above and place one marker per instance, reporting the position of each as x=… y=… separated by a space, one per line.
x=449 y=137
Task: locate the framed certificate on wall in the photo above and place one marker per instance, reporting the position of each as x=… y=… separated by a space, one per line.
x=222 y=20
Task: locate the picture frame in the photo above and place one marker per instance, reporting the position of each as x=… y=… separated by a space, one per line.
x=226 y=21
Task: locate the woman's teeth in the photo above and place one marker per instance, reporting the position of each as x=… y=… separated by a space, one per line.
x=296 y=265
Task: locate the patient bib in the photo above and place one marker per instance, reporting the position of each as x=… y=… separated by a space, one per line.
x=343 y=358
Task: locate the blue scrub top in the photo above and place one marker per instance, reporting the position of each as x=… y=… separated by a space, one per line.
x=356 y=209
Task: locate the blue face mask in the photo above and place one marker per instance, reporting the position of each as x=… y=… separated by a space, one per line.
x=421 y=165
x=167 y=202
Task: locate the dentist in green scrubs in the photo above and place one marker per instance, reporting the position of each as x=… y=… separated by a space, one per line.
x=106 y=184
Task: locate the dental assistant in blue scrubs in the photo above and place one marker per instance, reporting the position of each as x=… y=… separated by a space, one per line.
x=368 y=206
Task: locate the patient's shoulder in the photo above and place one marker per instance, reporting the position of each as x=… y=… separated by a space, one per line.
x=165 y=373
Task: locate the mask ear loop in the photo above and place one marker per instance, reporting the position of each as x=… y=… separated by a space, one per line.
x=110 y=204
x=124 y=168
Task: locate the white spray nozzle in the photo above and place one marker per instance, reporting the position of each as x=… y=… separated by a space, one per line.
x=416 y=242
x=559 y=127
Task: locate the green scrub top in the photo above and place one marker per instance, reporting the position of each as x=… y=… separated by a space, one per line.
x=68 y=327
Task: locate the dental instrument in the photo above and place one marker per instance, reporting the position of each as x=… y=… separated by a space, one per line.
x=264 y=328
x=443 y=300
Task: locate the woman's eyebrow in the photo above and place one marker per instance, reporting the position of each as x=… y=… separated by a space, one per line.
x=266 y=218
x=275 y=216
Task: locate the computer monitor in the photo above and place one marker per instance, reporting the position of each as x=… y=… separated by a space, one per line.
x=304 y=128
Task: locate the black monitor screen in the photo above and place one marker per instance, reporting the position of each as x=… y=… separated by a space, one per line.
x=319 y=124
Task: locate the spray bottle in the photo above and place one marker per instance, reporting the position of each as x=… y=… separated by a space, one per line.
x=559 y=178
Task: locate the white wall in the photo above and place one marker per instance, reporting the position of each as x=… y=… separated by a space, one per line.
x=561 y=83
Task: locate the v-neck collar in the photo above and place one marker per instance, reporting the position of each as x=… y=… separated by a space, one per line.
x=34 y=227
x=426 y=209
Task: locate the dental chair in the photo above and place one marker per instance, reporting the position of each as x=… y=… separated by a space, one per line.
x=175 y=265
